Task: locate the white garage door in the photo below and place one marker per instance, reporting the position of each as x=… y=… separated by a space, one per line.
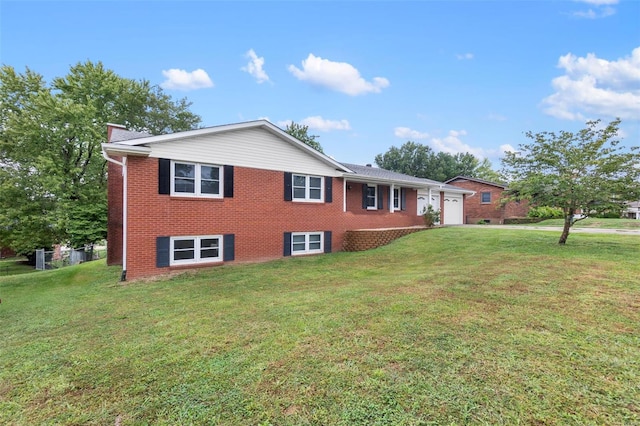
x=453 y=209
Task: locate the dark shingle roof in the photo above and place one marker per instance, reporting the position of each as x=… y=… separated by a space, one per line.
x=119 y=135
x=378 y=173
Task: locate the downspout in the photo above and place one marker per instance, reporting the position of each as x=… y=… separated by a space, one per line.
x=123 y=164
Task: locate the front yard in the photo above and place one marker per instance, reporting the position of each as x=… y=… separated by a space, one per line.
x=446 y=326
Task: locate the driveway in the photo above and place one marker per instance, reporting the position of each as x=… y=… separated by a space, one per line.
x=558 y=229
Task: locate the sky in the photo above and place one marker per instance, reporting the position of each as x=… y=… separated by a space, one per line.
x=458 y=76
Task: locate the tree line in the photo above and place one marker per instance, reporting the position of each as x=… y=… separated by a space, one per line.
x=53 y=176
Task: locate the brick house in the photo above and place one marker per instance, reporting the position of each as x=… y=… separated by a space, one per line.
x=248 y=192
x=485 y=205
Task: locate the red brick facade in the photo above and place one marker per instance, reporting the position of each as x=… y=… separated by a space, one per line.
x=256 y=215
x=488 y=209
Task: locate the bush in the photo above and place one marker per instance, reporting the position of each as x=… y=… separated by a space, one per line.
x=431 y=216
x=546 y=212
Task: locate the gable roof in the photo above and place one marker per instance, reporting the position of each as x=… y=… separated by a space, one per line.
x=486 y=182
x=139 y=139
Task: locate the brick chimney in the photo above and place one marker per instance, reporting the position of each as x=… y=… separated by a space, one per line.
x=110 y=128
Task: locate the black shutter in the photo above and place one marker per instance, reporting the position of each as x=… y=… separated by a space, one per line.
x=327 y=241
x=403 y=198
x=364 y=195
x=380 y=197
x=164 y=176
x=389 y=199
x=162 y=252
x=288 y=186
x=228 y=247
x=287 y=244
x=228 y=181
x=328 y=189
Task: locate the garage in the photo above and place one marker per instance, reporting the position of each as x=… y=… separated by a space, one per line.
x=453 y=209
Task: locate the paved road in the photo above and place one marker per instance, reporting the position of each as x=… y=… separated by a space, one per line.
x=559 y=230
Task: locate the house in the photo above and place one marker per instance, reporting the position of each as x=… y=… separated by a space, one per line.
x=632 y=211
x=247 y=192
x=485 y=205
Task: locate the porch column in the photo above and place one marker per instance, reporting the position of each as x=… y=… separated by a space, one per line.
x=391 y=198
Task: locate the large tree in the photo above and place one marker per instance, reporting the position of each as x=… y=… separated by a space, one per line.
x=301 y=132
x=586 y=173
x=52 y=174
x=419 y=160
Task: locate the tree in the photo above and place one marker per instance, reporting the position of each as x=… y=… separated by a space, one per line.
x=419 y=160
x=300 y=132
x=53 y=177
x=587 y=172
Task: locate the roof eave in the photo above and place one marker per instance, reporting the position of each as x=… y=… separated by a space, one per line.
x=125 y=150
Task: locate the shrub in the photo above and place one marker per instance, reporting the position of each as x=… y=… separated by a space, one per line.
x=431 y=216
x=546 y=212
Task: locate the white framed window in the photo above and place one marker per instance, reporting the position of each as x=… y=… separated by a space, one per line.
x=307 y=242
x=307 y=188
x=196 y=180
x=396 y=198
x=372 y=197
x=187 y=250
x=485 y=197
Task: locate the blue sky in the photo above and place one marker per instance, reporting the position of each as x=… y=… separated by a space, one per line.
x=459 y=76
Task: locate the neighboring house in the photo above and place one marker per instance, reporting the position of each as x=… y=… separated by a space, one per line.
x=247 y=192
x=632 y=211
x=485 y=205
x=6 y=252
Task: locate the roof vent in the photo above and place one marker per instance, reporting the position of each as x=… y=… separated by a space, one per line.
x=368 y=165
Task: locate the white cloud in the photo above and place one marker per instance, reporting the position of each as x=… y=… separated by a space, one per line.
x=319 y=123
x=452 y=144
x=602 y=9
x=596 y=87
x=178 y=79
x=602 y=12
x=254 y=67
x=598 y=2
x=506 y=148
x=338 y=76
x=407 y=133
x=465 y=56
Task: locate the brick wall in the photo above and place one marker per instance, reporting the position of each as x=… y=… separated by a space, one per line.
x=493 y=212
x=257 y=215
x=114 y=213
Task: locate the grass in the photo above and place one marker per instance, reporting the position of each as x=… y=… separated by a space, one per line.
x=592 y=222
x=447 y=326
x=14 y=266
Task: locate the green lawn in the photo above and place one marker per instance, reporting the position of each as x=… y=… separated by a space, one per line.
x=446 y=326
x=14 y=266
x=593 y=222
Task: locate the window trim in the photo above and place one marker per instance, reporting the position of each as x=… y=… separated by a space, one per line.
x=307 y=189
x=197 y=250
x=397 y=199
x=197 y=180
x=482 y=194
x=307 y=242
x=375 y=197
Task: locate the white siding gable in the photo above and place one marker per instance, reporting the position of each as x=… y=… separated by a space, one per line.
x=252 y=148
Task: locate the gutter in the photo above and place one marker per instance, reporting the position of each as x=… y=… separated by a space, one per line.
x=123 y=164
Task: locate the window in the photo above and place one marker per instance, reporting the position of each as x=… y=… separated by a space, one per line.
x=372 y=197
x=486 y=197
x=306 y=242
x=396 y=198
x=185 y=250
x=197 y=180
x=307 y=188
